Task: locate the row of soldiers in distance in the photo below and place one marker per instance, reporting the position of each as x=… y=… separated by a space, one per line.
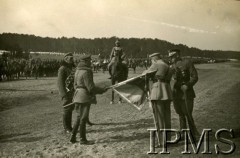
x=11 y=69
x=133 y=63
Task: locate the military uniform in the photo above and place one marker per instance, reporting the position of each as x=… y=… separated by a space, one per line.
x=84 y=96
x=63 y=73
x=184 y=73
x=117 y=56
x=161 y=95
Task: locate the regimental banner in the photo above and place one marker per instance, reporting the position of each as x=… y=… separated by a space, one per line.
x=134 y=90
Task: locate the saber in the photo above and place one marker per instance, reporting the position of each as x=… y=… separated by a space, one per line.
x=69 y=104
x=189 y=116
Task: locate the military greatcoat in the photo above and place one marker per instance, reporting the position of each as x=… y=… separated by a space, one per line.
x=184 y=73
x=85 y=89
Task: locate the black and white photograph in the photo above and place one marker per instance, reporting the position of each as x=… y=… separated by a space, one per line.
x=119 y=78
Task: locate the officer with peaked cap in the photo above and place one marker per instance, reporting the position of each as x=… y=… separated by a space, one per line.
x=66 y=94
x=173 y=52
x=70 y=82
x=84 y=96
x=160 y=93
x=185 y=76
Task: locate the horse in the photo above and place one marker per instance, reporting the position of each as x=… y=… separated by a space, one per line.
x=119 y=73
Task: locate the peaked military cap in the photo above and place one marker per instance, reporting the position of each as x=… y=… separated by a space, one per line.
x=85 y=57
x=172 y=52
x=68 y=54
x=154 y=54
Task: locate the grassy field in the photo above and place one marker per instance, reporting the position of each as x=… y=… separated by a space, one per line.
x=31 y=118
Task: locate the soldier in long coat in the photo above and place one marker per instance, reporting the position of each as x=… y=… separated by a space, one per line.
x=84 y=96
x=160 y=93
x=185 y=76
x=66 y=94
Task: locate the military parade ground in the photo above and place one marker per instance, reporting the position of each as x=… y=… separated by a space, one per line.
x=31 y=119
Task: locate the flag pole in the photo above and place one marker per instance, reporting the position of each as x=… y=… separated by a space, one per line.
x=150 y=105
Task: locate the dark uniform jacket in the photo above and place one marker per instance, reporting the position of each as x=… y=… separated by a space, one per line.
x=63 y=72
x=184 y=73
x=85 y=89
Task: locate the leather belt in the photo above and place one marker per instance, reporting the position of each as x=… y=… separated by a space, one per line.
x=81 y=87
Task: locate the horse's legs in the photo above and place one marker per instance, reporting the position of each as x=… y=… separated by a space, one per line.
x=120 y=98
x=113 y=82
x=109 y=70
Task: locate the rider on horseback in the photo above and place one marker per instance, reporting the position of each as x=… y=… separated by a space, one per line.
x=117 y=56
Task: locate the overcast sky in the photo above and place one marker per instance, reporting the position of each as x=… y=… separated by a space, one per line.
x=205 y=24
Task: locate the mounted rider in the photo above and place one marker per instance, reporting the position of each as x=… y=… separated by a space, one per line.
x=117 y=55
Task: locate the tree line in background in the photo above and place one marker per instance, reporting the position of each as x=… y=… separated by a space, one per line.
x=134 y=47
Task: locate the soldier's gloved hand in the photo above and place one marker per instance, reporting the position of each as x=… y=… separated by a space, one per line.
x=184 y=88
x=144 y=72
x=105 y=89
x=67 y=97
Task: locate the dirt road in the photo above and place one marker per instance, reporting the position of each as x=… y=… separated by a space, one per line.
x=31 y=126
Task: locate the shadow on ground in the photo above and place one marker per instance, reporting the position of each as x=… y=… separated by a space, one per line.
x=24 y=139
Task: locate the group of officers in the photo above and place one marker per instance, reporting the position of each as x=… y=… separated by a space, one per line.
x=170 y=83
x=173 y=83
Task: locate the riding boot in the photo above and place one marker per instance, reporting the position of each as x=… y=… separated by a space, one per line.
x=83 y=139
x=64 y=121
x=110 y=73
x=69 y=121
x=183 y=123
x=74 y=131
x=89 y=122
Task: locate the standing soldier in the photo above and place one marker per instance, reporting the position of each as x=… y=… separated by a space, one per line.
x=84 y=96
x=65 y=91
x=161 y=94
x=185 y=77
